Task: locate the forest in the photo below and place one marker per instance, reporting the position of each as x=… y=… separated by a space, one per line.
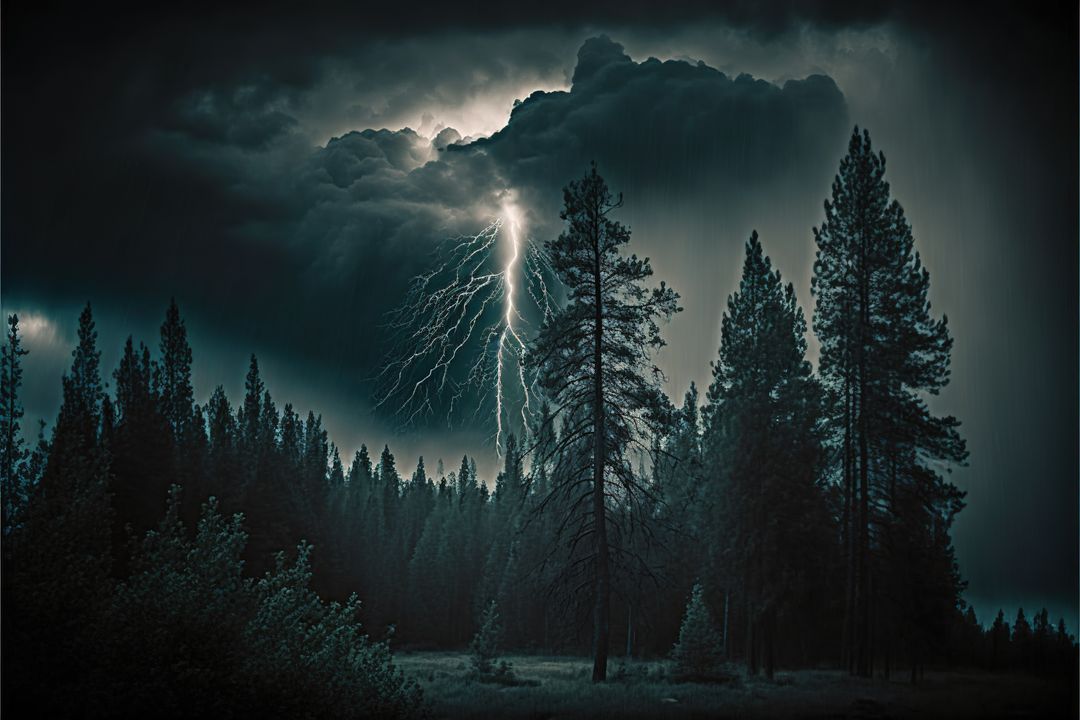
x=169 y=558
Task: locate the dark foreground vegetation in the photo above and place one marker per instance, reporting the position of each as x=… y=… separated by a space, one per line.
x=158 y=561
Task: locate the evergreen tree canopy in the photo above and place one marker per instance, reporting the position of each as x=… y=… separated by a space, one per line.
x=882 y=351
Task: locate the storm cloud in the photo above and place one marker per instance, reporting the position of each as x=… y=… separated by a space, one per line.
x=311 y=246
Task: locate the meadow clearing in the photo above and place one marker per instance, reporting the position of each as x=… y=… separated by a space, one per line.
x=559 y=687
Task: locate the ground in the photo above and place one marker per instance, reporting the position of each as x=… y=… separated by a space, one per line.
x=559 y=687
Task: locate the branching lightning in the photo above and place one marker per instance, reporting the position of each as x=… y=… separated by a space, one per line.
x=460 y=337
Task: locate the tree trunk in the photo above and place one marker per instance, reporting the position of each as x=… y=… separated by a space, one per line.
x=602 y=586
x=847 y=655
x=888 y=655
x=871 y=646
x=727 y=648
x=768 y=638
x=862 y=594
x=751 y=644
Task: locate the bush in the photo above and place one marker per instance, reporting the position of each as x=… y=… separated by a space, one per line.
x=187 y=635
x=485 y=648
x=636 y=673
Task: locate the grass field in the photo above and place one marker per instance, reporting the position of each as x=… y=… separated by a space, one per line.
x=559 y=687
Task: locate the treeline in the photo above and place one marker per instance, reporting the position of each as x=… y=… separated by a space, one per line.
x=1035 y=645
x=425 y=550
x=812 y=511
x=125 y=596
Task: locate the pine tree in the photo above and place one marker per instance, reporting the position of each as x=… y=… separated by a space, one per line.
x=678 y=465
x=311 y=489
x=485 y=648
x=60 y=581
x=682 y=511
x=417 y=502
x=427 y=613
x=175 y=392
x=223 y=454
x=337 y=470
x=772 y=527
x=881 y=352
x=141 y=448
x=419 y=476
x=1064 y=646
x=251 y=412
x=267 y=496
x=361 y=468
x=36 y=461
x=972 y=637
x=13 y=452
x=595 y=364
x=351 y=532
x=269 y=420
x=1022 y=640
x=176 y=403
x=999 y=642
x=1040 y=639
x=390 y=483
x=698 y=653
x=193 y=468
x=508 y=484
x=500 y=578
x=485 y=644
x=85 y=376
x=76 y=460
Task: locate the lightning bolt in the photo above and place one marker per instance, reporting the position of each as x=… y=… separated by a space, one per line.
x=463 y=326
x=509 y=340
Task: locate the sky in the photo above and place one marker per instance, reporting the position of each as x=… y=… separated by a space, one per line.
x=284 y=174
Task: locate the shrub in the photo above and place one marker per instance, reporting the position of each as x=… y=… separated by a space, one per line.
x=485 y=648
x=697 y=654
x=188 y=635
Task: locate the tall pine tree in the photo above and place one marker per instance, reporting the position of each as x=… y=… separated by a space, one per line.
x=881 y=352
x=596 y=365
x=59 y=583
x=772 y=529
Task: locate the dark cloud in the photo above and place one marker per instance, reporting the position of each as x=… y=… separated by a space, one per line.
x=643 y=121
x=596 y=56
x=244 y=117
x=308 y=248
